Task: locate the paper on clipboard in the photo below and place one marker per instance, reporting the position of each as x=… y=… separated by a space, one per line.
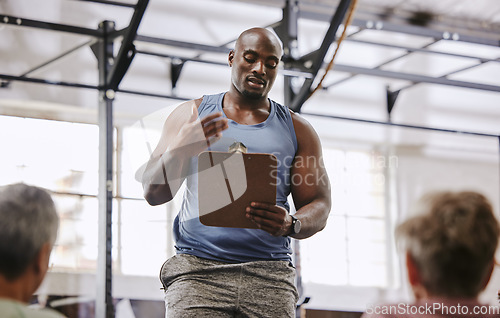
x=228 y=182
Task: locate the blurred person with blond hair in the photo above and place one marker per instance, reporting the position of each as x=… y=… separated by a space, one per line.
x=449 y=246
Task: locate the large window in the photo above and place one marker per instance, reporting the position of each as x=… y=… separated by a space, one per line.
x=63 y=158
x=353 y=249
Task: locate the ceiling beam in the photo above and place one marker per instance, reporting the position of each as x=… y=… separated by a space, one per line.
x=285 y=72
x=317 y=57
x=419 y=50
x=379 y=66
x=320 y=11
x=127 y=49
x=389 y=123
x=10 y=78
x=379 y=24
x=52 y=60
x=413 y=77
x=297 y=68
x=183 y=45
x=86 y=86
x=134 y=92
x=109 y=2
x=22 y=22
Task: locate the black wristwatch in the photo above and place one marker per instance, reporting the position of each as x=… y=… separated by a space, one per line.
x=296 y=224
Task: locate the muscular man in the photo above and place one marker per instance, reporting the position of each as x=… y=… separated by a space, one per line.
x=234 y=272
x=28 y=229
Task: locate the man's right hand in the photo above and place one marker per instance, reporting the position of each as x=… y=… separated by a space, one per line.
x=184 y=136
x=198 y=134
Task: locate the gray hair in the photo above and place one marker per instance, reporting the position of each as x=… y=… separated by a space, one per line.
x=452 y=242
x=28 y=220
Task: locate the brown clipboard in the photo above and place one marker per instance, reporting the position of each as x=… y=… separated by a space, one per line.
x=229 y=182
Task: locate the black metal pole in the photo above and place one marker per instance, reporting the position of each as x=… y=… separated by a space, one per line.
x=127 y=49
x=287 y=30
x=104 y=300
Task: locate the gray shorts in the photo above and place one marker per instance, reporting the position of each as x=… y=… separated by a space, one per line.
x=198 y=287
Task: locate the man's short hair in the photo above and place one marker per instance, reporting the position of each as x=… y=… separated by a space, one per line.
x=452 y=242
x=28 y=219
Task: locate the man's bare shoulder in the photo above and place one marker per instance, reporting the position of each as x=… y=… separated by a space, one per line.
x=184 y=111
x=192 y=103
x=198 y=101
x=303 y=129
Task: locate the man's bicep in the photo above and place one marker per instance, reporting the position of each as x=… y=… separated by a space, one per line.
x=309 y=178
x=309 y=181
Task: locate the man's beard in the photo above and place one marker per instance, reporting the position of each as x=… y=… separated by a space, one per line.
x=251 y=95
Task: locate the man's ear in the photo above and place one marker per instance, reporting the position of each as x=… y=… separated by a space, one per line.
x=411 y=267
x=419 y=291
x=230 y=58
x=41 y=261
x=487 y=277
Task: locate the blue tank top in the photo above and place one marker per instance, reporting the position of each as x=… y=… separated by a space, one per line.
x=275 y=135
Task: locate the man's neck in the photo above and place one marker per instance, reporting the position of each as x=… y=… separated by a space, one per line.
x=18 y=289
x=428 y=297
x=236 y=100
x=246 y=111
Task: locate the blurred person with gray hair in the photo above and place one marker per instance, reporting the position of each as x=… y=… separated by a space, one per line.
x=28 y=230
x=449 y=246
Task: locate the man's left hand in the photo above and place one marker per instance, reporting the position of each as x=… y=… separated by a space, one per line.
x=271 y=218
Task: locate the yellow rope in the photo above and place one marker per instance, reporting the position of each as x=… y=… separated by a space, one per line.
x=350 y=15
